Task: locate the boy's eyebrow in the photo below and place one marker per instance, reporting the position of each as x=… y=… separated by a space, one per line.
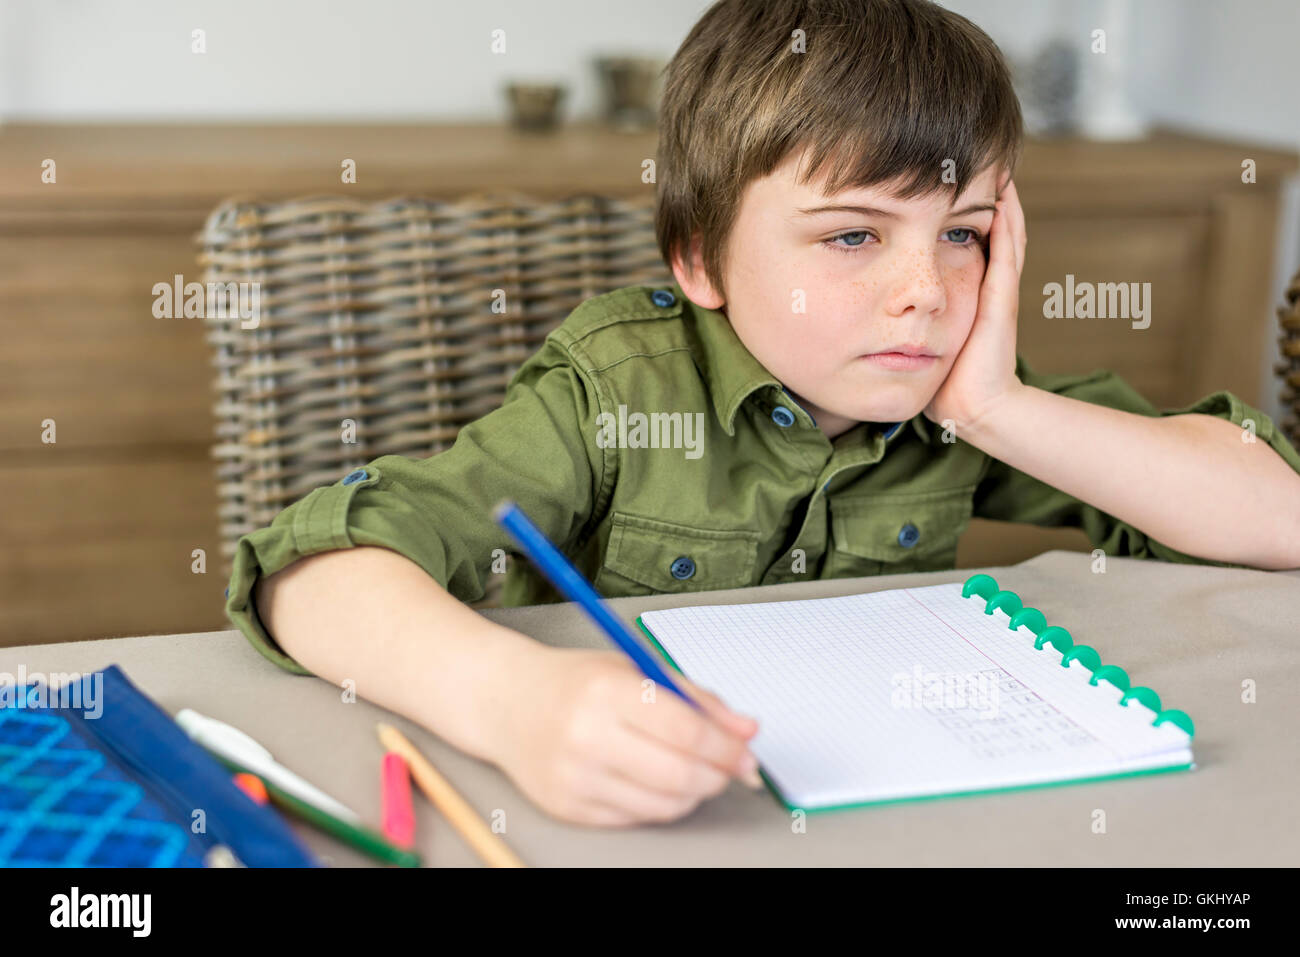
x=884 y=213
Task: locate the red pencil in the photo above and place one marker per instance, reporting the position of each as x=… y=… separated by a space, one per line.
x=395 y=796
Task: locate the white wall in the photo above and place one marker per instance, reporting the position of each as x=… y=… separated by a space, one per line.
x=1224 y=67
x=310 y=59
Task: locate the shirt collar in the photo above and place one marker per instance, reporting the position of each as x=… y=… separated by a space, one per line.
x=732 y=372
x=920 y=425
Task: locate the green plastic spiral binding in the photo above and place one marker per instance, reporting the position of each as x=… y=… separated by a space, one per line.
x=1112 y=673
x=986 y=587
x=1060 y=639
x=1029 y=617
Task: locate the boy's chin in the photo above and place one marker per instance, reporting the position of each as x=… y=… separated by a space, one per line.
x=890 y=403
x=894 y=417
x=892 y=412
x=884 y=402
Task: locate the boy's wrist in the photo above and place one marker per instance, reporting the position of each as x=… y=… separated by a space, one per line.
x=512 y=662
x=998 y=421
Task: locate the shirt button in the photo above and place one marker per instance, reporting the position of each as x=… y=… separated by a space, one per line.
x=662 y=298
x=683 y=567
x=783 y=417
x=909 y=535
x=356 y=475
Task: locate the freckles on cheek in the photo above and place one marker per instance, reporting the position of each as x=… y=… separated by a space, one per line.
x=863 y=292
x=964 y=286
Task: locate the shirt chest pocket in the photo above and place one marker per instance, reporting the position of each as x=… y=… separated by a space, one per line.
x=648 y=555
x=891 y=533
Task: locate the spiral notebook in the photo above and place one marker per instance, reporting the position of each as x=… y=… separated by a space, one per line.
x=918 y=693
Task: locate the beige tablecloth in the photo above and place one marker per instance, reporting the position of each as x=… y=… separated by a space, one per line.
x=1193 y=633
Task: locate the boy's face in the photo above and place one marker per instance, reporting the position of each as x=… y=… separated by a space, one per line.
x=816 y=287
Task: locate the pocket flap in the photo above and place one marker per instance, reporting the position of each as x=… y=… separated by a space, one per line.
x=645 y=550
x=876 y=526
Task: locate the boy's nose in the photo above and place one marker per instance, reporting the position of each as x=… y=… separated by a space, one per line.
x=916 y=284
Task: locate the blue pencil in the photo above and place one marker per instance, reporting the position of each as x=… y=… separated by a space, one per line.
x=555 y=566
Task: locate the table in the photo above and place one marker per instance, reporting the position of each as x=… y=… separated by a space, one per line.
x=1194 y=633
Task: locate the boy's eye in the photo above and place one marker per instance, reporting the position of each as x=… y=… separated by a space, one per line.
x=857 y=238
x=854 y=238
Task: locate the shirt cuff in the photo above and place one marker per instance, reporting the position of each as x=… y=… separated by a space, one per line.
x=316 y=523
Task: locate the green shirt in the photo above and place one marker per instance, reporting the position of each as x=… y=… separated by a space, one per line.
x=743 y=488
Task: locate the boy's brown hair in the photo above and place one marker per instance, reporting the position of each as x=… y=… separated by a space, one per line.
x=886 y=90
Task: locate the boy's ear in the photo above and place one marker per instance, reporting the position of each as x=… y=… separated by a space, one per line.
x=689 y=274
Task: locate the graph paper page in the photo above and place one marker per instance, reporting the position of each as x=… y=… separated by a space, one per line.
x=906 y=693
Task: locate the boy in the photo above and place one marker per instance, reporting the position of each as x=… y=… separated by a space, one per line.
x=835 y=201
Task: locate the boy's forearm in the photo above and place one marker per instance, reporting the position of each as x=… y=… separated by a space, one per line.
x=374 y=617
x=1188 y=481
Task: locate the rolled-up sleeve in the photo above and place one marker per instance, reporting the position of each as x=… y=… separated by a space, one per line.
x=1007 y=494
x=539 y=449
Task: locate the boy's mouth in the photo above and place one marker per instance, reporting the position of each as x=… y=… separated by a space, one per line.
x=904 y=350
x=901 y=358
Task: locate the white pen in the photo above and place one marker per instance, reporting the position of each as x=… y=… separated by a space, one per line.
x=232 y=744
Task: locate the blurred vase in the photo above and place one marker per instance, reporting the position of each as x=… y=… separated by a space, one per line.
x=535 y=107
x=1106 y=112
x=631 y=90
x=1048 y=87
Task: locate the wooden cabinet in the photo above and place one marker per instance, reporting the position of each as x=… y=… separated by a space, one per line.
x=99 y=529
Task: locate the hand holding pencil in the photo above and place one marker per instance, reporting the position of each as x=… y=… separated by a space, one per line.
x=612 y=738
x=604 y=747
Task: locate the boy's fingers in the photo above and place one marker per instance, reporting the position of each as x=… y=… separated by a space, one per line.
x=1000 y=278
x=1002 y=247
x=599 y=814
x=675 y=723
x=617 y=795
x=1016 y=220
x=651 y=763
x=740 y=724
